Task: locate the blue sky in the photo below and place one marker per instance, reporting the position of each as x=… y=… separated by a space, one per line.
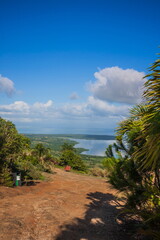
x=74 y=66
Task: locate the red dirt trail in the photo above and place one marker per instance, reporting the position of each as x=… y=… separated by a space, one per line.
x=69 y=207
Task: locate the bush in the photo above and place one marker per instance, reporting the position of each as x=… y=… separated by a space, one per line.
x=34 y=174
x=68 y=157
x=98 y=172
x=6 y=178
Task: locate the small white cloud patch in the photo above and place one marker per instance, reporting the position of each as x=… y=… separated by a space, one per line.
x=43 y=106
x=74 y=96
x=6 y=86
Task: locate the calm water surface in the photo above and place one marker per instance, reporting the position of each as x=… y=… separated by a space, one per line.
x=95 y=147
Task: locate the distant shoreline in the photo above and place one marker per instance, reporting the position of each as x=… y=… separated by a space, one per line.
x=55 y=141
x=78 y=136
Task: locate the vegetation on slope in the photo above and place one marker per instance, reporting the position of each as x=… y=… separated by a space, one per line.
x=135 y=170
x=18 y=155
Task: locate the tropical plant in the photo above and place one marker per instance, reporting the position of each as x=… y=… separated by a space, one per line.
x=149 y=153
x=67 y=146
x=134 y=161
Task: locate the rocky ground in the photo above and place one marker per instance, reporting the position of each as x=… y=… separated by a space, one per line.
x=68 y=207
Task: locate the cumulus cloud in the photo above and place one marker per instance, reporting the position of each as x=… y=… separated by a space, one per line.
x=93 y=108
x=74 y=96
x=18 y=106
x=6 y=86
x=114 y=91
x=117 y=85
x=40 y=112
x=75 y=110
x=23 y=112
x=43 y=106
x=100 y=107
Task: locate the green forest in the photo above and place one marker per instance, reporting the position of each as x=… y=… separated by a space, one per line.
x=132 y=163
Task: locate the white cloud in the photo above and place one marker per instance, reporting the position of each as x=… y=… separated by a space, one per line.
x=47 y=112
x=93 y=108
x=6 y=86
x=18 y=106
x=74 y=96
x=114 y=91
x=117 y=85
x=100 y=107
x=21 y=111
x=43 y=106
x=75 y=110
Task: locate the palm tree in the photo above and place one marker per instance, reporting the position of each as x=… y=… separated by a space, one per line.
x=149 y=153
x=42 y=152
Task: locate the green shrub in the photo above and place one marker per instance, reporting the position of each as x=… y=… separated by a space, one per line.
x=6 y=178
x=98 y=172
x=69 y=157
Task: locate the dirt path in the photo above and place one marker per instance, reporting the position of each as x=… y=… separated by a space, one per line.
x=70 y=207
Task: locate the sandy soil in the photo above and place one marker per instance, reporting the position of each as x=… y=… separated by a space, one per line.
x=69 y=207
